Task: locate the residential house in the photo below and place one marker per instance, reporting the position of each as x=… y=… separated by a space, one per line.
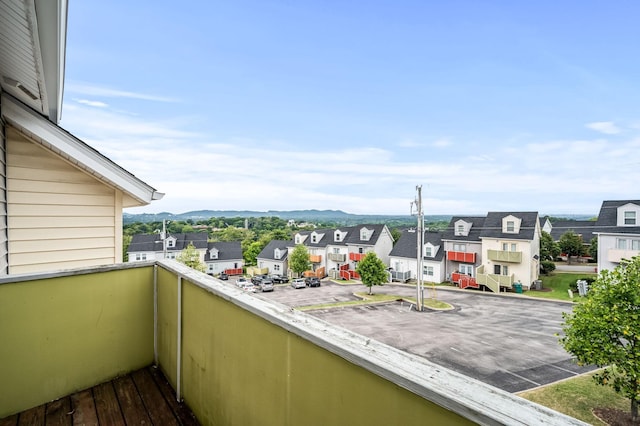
x=496 y=251
x=403 y=257
x=224 y=257
x=336 y=252
x=618 y=232
x=463 y=246
x=510 y=250
x=274 y=257
x=150 y=246
x=61 y=200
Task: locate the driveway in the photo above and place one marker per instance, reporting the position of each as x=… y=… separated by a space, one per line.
x=506 y=341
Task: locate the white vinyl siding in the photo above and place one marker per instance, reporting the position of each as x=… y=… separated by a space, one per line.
x=59 y=216
x=4 y=251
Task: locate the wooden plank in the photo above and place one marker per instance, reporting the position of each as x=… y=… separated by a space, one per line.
x=33 y=416
x=84 y=409
x=58 y=412
x=156 y=404
x=9 y=421
x=107 y=406
x=131 y=404
x=182 y=412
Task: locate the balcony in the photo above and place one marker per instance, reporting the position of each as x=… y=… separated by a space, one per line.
x=493 y=281
x=68 y=331
x=505 y=256
x=337 y=257
x=616 y=255
x=315 y=258
x=461 y=256
x=356 y=257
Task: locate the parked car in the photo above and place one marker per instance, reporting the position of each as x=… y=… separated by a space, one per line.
x=257 y=279
x=312 y=281
x=242 y=281
x=248 y=286
x=278 y=279
x=298 y=283
x=265 y=285
x=223 y=276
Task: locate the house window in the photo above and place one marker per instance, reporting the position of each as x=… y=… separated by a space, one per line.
x=630 y=218
x=466 y=269
x=621 y=244
x=360 y=250
x=276 y=267
x=635 y=244
x=314 y=238
x=428 y=270
x=460 y=229
x=428 y=251
x=500 y=270
x=505 y=246
x=459 y=247
x=336 y=250
x=511 y=226
x=171 y=255
x=141 y=256
x=171 y=243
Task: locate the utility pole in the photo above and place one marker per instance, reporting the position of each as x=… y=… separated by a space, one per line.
x=420 y=248
x=164 y=238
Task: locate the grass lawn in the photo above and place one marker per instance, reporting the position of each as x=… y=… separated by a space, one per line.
x=577 y=397
x=559 y=285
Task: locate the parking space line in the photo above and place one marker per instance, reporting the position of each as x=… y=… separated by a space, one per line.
x=522 y=377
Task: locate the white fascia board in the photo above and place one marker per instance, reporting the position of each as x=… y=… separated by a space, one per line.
x=51 y=18
x=75 y=151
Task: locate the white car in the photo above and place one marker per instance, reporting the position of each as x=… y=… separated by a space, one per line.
x=248 y=286
x=298 y=283
x=240 y=282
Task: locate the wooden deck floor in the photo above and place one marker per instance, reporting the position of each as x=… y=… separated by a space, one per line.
x=142 y=397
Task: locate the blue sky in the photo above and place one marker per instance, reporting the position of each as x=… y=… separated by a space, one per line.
x=283 y=105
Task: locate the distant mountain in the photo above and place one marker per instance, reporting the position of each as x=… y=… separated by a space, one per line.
x=336 y=216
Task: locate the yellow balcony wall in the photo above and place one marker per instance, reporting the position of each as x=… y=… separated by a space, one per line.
x=505 y=256
x=67 y=333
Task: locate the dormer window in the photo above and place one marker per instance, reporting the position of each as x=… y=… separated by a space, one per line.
x=171 y=242
x=461 y=228
x=428 y=251
x=511 y=224
x=338 y=236
x=298 y=239
x=277 y=253
x=213 y=253
x=365 y=234
x=630 y=218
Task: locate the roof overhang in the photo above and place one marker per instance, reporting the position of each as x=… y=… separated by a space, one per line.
x=76 y=152
x=33 y=44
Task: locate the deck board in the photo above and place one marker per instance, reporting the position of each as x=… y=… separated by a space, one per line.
x=84 y=409
x=142 y=397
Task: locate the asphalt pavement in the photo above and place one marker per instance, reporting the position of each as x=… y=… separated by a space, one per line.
x=508 y=341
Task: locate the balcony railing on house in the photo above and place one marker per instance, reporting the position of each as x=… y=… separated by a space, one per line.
x=231 y=356
x=616 y=255
x=493 y=281
x=337 y=257
x=356 y=257
x=464 y=281
x=315 y=258
x=461 y=256
x=505 y=256
x=400 y=276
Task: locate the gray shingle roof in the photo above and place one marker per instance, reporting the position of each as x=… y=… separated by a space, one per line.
x=407 y=245
x=493 y=225
x=227 y=250
x=153 y=242
x=474 y=234
x=352 y=237
x=608 y=218
x=269 y=250
x=580 y=227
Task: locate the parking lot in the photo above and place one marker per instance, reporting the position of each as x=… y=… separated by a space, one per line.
x=506 y=341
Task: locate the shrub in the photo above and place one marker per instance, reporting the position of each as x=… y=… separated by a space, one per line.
x=547 y=266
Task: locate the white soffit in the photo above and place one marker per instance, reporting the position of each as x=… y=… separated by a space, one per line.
x=75 y=151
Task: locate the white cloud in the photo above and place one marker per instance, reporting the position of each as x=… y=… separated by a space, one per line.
x=442 y=143
x=94 y=90
x=96 y=104
x=606 y=127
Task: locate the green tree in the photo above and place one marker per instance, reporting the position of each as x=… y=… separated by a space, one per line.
x=396 y=234
x=372 y=270
x=251 y=253
x=605 y=330
x=593 y=248
x=571 y=244
x=191 y=257
x=549 y=249
x=299 y=260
